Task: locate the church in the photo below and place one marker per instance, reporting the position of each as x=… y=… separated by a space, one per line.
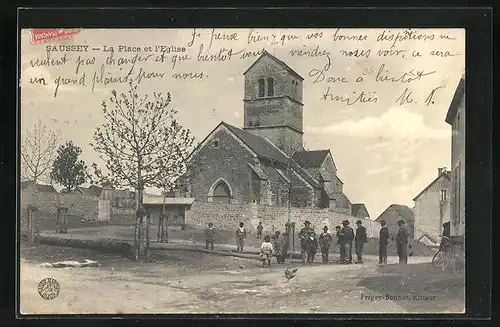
x=265 y=162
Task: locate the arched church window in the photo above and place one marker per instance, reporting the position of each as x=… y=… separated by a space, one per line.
x=270 y=87
x=262 y=87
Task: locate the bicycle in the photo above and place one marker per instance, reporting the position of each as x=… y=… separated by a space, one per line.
x=445 y=256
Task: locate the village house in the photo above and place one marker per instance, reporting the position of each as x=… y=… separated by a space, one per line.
x=432 y=208
x=265 y=161
x=359 y=211
x=393 y=214
x=456 y=118
x=92 y=191
x=28 y=186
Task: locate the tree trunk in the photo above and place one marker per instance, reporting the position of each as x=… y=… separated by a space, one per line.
x=158 y=236
x=31 y=223
x=146 y=247
x=166 y=228
x=138 y=229
x=164 y=220
x=136 y=235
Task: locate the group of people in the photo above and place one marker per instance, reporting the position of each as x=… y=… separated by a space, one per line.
x=345 y=236
x=277 y=245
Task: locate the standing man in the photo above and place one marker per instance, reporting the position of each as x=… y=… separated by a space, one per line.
x=210 y=236
x=402 y=242
x=346 y=238
x=337 y=243
x=259 y=230
x=304 y=234
x=325 y=241
x=360 y=240
x=241 y=234
x=382 y=243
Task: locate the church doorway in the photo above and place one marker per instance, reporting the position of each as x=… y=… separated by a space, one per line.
x=220 y=192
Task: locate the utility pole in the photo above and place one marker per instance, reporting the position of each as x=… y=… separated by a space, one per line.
x=289 y=221
x=290 y=235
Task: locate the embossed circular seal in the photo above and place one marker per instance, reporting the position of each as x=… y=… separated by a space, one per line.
x=48 y=288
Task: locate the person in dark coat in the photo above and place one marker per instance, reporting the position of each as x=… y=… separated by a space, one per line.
x=325 y=241
x=277 y=241
x=383 y=242
x=259 y=230
x=210 y=236
x=402 y=242
x=284 y=246
x=346 y=238
x=360 y=241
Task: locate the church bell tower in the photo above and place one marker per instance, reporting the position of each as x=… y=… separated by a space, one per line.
x=273 y=103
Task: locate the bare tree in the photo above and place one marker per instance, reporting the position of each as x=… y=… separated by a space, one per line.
x=142 y=145
x=181 y=143
x=38 y=151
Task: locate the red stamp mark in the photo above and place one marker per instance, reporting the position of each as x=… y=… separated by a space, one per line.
x=39 y=35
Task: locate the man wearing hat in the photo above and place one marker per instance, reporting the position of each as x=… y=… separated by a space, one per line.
x=337 y=243
x=383 y=242
x=306 y=232
x=346 y=237
x=402 y=242
x=360 y=240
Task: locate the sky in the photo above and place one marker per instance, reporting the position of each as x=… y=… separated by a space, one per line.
x=386 y=151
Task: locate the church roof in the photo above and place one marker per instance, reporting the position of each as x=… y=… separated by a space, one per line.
x=260 y=146
x=309 y=159
x=265 y=149
x=280 y=62
x=258 y=171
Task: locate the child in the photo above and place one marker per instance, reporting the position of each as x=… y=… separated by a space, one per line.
x=259 y=230
x=210 y=236
x=266 y=251
x=241 y=234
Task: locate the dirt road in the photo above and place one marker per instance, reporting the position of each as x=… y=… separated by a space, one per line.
x=202 y=283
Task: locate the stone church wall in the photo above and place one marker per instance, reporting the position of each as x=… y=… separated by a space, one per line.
x=227 y=160
x=227 y=217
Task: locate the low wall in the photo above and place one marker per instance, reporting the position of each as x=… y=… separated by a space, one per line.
x=122 y=216
x=227 y=216
x=80 y=205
